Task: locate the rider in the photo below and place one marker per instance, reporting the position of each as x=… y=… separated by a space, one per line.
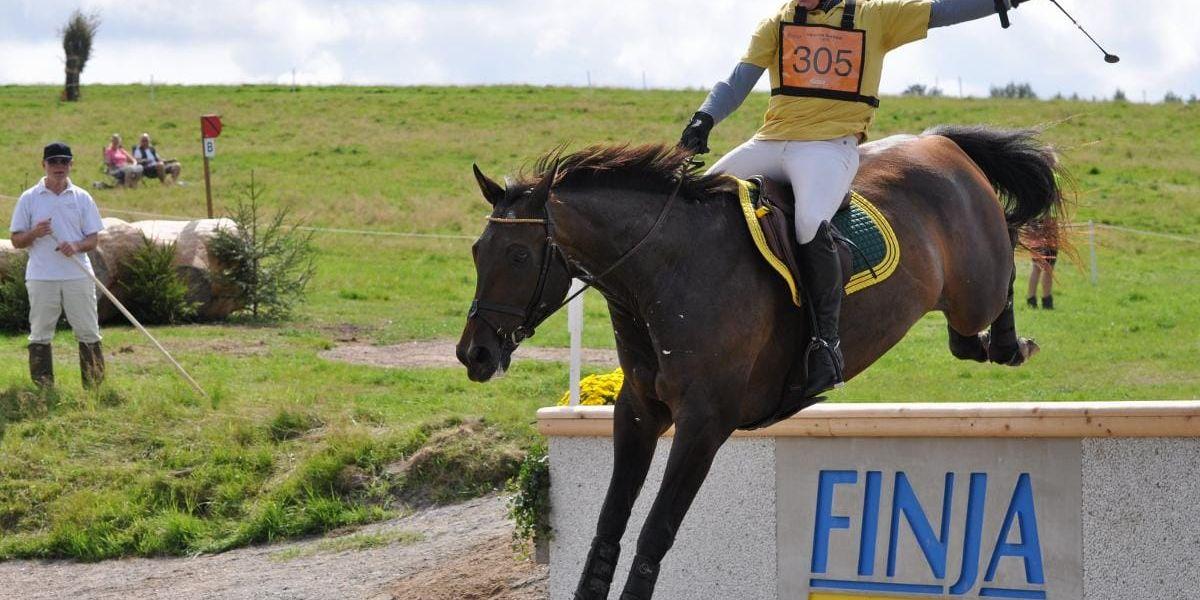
x=825 y=58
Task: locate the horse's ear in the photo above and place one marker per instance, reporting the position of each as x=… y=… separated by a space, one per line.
x=492 y=192
x=541 y=192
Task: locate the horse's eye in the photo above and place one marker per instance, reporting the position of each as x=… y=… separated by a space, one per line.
x=518 y=254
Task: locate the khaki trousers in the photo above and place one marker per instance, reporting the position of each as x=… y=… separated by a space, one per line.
x=48 y=300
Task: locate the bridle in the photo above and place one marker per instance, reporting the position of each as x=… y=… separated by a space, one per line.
x=530 y=319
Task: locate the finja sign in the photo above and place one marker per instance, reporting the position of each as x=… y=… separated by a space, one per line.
x=959 y=535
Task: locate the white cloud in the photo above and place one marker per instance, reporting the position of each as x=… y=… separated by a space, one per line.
x=674 y=43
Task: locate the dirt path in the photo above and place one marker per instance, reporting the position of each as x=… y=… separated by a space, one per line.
x=461 y=552
x=440 y=353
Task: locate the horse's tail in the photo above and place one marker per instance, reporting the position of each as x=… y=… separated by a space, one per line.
x=1026 y=175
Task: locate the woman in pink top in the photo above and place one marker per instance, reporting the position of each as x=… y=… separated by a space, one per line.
x=120 y=163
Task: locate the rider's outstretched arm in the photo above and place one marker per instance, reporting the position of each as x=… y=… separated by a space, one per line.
x=953 y=12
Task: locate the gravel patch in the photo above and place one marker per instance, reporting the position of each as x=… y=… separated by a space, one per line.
x=465 y=544
x=440 y=353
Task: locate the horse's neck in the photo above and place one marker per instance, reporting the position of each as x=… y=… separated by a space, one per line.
x=598 y=227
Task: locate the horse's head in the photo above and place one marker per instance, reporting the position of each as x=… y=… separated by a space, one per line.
x=520 y=276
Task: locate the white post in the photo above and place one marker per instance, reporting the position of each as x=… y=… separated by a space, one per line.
x=575 y=326
x=1092 y=249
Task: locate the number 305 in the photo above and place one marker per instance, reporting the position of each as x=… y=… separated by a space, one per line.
x=822 y=61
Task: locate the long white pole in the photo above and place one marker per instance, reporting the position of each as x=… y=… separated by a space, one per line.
x=575 y=326
x=124 y=311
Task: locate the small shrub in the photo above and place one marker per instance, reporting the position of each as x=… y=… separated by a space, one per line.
x=529 y=504
x=1119 y=96
x=268 y=262
x=14 y=298
x=1172 y=98
x=155 y=293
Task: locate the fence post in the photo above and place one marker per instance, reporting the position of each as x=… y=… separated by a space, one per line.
x=575 y=326
x=1092 y=249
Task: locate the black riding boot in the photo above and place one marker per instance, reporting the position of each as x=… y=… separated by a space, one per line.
x=41 y=364
x=598 y=571
x=91 y=364
x=821 y=269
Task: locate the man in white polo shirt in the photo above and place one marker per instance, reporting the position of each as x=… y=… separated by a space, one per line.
x=58 y=222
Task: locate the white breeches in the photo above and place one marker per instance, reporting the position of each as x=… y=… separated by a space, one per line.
x=820 y=173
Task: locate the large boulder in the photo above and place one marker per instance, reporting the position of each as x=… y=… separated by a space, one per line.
x=193 y=263
x=114 y=246
x=7 y=253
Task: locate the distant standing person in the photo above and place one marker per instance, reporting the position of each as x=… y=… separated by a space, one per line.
x=152 y=165
x=59 y=223
x=1045 y=255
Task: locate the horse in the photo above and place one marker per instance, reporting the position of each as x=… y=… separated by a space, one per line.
x=704 y=329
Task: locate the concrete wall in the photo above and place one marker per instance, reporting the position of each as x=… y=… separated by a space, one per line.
x=1102 y=517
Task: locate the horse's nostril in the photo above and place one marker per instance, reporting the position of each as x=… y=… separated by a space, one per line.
x=478 y=355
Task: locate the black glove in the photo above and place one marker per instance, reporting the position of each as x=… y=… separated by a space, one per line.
x=695 y=135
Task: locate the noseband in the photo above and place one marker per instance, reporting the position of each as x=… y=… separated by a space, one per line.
x=529 y=318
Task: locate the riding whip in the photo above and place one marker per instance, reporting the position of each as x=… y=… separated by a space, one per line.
x=135 y=322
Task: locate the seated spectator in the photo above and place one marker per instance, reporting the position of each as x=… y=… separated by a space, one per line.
x=120 y=164
x=152 y=165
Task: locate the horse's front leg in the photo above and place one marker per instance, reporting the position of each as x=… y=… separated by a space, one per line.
x=636 y=428
x=698 y=436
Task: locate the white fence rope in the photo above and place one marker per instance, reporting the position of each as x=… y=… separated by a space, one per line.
x=303 y=228
x=1158 y=234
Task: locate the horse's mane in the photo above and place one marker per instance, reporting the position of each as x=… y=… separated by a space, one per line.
x=647 y=167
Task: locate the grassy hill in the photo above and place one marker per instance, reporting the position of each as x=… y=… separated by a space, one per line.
x=145 y=468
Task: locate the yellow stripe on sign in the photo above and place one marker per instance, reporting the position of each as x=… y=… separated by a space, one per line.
x=829 y=596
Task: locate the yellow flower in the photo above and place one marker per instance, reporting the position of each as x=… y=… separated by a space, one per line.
x=597 y=390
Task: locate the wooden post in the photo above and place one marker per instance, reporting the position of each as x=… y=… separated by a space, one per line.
x=210 y=128
x=207 y=185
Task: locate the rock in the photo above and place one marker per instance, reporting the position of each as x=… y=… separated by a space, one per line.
x=198 y=270
x=114 y=245
x=7 y=253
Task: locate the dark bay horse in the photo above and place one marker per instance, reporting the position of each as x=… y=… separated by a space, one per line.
x=704 y=329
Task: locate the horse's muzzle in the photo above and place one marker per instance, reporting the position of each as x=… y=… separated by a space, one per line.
x=482 y=357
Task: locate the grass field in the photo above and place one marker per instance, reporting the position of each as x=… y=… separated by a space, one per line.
x=145 y=468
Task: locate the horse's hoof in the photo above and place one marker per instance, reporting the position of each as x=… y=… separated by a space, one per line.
x=1025 y=350
x=1028 y=347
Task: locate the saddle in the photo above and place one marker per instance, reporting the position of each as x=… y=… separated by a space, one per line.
x=867 y=246
x=776 y=212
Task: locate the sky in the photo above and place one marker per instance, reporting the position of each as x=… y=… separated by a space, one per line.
x=621 y=43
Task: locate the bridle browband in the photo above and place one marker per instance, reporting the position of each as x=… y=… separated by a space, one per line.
x=530 y=320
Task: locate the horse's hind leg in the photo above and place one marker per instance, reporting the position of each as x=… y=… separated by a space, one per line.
x=967 y=347
x=1004 y=347
x=634 y=438
x=697 y=440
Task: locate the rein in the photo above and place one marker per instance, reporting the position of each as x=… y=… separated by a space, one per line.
x=530 y=320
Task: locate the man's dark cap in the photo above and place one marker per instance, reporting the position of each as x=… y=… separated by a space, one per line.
x=56 y=149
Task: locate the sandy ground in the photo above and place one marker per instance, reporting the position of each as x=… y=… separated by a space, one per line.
x=464 y=554
x=440 y=353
